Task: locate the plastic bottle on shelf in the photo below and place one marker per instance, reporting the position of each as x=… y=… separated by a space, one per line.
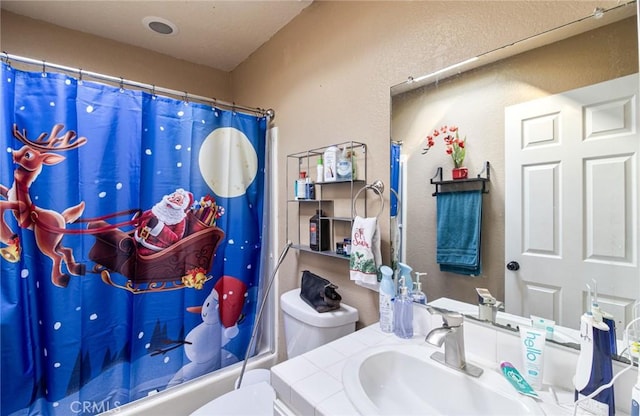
x=295 y=189
x=319 y=233
x=301 y=189
x=344 y=166
x=386 y=295
x=330 y=160
x=320 y=170
x=309 y=189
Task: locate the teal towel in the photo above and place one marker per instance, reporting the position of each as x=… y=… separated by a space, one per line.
x=459 y=222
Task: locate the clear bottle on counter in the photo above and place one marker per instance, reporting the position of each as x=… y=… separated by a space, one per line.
x=403 y=313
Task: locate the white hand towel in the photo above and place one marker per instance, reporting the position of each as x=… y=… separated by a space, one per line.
x=365 y=251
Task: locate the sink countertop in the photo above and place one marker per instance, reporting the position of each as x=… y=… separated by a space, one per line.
x=311 y=384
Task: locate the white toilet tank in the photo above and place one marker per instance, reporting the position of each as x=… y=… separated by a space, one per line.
x=306 y=329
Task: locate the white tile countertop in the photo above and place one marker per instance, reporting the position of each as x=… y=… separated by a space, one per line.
x=311 y=384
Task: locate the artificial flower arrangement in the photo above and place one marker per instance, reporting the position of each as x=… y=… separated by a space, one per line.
x=456 y=147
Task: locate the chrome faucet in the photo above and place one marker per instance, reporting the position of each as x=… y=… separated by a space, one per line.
x=451 y=334
x=488 y=306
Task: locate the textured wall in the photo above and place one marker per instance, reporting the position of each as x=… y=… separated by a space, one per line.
x=327 y=74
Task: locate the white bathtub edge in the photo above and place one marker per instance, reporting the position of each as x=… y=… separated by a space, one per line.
x=189 y=396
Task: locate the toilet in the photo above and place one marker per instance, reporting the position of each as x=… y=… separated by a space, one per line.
x=305 y=329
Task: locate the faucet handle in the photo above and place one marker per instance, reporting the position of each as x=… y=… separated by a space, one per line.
x=450 y=318
x=453 y=319
x=485 y=297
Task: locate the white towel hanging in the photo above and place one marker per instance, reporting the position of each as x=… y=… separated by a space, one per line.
x=365 y=251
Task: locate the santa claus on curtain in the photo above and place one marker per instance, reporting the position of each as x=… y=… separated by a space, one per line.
x=165 y=223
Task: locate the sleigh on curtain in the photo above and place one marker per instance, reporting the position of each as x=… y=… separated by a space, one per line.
x=175 y=267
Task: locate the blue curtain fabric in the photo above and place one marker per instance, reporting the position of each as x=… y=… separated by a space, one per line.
x=395 y=177
x=131 y=242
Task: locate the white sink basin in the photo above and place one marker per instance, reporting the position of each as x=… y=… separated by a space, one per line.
x=404 y=380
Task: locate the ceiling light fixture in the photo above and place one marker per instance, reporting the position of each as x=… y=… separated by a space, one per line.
x=160 y=25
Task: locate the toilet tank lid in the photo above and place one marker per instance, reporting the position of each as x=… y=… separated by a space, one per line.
x=291 y=303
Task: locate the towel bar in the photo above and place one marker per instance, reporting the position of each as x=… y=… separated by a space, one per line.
x=378 y=188
x=479 y=180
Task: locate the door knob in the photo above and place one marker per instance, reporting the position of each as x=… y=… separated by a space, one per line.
x=513 y=266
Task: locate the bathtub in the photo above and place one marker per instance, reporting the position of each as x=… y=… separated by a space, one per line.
x=187 y=397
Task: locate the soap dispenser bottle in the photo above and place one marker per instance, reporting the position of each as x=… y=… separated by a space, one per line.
x=418 y=295
x=403 y=313
x=405 y=271
x=594 y=367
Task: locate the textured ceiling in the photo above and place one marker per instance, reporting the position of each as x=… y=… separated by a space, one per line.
x=219 y=34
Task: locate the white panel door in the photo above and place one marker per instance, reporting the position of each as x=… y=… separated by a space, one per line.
x=572 y=186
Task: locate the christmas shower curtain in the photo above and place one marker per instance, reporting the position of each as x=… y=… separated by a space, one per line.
x=130 y=235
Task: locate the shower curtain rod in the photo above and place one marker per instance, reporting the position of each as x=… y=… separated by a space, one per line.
x=7 y=58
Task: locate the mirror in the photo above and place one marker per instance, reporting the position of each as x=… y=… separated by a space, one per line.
x=474 y=97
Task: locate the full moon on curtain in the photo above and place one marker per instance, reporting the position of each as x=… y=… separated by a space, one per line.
x=130 y=240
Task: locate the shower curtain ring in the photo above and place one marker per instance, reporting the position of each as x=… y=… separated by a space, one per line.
x=153 y=91
x=186 y=98
x=44 y=69
x=6 y=58
x=214 y=107
x=121 y=84
x=233 y=108
x=80 y=75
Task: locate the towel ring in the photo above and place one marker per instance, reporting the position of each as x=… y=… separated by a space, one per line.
x=378 y=188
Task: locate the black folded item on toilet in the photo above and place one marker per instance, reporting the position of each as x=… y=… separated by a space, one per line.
x=319 y=293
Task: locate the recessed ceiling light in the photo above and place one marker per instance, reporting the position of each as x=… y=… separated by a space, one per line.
x=160 y=25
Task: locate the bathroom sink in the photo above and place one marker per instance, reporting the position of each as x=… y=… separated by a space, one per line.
x=403 y=379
